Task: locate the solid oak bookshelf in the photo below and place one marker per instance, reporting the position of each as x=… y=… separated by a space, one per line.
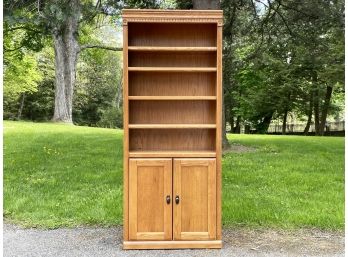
x=172 y=128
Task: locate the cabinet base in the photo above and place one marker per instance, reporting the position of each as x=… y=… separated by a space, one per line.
x=141 y=245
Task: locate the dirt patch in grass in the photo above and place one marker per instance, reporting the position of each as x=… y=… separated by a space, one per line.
x=236 y=148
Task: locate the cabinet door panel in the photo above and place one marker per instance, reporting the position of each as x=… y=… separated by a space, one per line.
x=195 y=185
x=150 y=182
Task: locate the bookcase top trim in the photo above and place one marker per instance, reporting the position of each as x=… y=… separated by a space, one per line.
x=172 y=16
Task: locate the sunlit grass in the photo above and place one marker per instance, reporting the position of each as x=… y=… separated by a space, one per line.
x=290 y=181
x=60 y=175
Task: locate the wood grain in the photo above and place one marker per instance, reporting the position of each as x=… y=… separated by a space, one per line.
x=125 y=135
x=172 y=84
x=150 y=182
x=172 y=112
x=170 y=49
x=171 y=98
x=194 y=182
x=219 y=99
x=172 y=69
x=172 y=59
x=172 y=140
x=171 y=153
x=212 y=244
x=167 y=35
x=172 y=126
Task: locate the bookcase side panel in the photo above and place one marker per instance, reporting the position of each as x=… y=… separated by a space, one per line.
x=126 y=134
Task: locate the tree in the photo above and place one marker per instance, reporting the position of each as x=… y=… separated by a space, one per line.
x=21 y=77
x=61 y=21
x=275 y=55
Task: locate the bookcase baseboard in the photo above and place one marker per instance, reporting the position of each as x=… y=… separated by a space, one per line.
x=142 y=245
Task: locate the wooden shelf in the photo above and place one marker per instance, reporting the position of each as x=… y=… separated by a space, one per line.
x=172 y=126
x=140 y=154
x=173 y=69
x=161 y=98
x=170 y=49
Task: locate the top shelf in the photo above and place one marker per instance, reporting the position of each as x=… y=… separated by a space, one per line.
x=170 y=49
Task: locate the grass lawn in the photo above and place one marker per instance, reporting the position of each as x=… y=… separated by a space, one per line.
x=60 y=175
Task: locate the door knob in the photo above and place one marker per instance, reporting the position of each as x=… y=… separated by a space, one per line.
x=168 y=199
x=177 y=199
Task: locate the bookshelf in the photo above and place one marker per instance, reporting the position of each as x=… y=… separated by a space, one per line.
x=172 y=129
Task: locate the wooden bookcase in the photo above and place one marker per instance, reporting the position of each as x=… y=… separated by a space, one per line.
x=172 y=128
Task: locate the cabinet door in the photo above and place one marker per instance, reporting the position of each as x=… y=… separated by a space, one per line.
x=150 y=188
x=194 y=199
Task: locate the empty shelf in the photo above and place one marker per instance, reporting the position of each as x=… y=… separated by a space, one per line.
x=159 y=98
x=173 y=69
x=172 y=154
x=172 y=126
x=170 y=49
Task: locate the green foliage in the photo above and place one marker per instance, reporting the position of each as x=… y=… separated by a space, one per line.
x=62 y=175
x=272 y=51
x=38 y=102
x=98 y=88
x=21 y=76
x=111 y=118
x=276 y=56
x=142 y=4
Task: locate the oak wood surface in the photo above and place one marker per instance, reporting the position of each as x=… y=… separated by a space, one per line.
x=125 y=131
x=172 y=84
x=212 y=244
x=194 y=217
x=172 y=153
x=172 y=35
x=172 y=139
x=172 y=59
x=171 y=49
x=150 y=182
x=171 y=126
x=172 y=112
x=172 y=69
x=218 y=144
x=166 y=98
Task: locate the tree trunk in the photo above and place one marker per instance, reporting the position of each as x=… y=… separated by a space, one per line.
x=316 y=110
x=231 y=122
x=66 y=50
x=21 y=106
x=237 y=128
x=119 y=93
x=310 y=113
x=316 y=102
x=225 y=143
x=262 y=127
x=285 y=116
x=325 y=110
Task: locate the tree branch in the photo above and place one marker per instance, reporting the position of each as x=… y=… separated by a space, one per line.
x=296 y=10
x=21 y=27
x=111 y=48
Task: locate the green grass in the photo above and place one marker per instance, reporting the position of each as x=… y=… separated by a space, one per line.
x=60 y=175
x=289 y=182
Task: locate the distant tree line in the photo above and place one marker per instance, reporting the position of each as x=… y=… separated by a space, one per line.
x=279 y=58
